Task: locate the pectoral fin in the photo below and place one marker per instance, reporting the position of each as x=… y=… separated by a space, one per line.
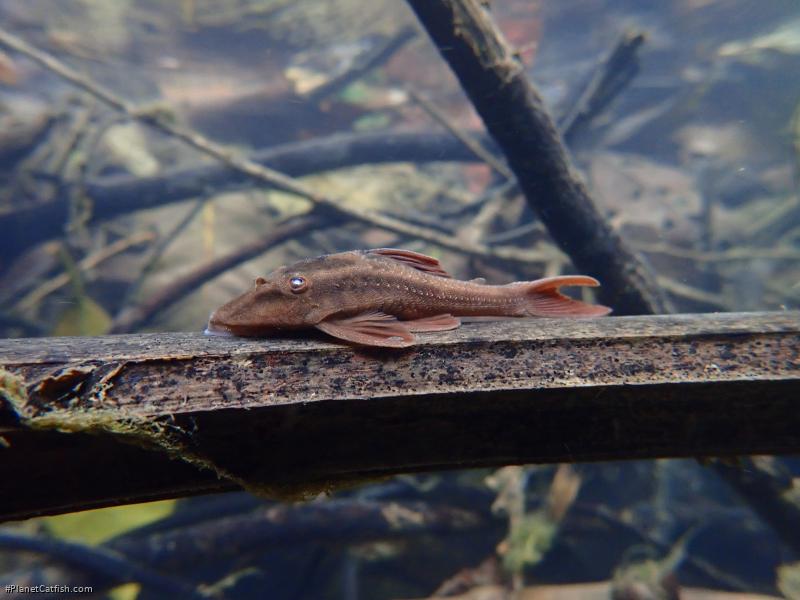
x=435 y=323
x=421 y=262
x=369 y=329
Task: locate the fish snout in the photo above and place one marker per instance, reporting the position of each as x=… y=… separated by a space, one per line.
x=214 y=327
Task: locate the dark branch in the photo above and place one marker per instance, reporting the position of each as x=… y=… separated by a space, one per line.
x=121 y=194
x=111 y=566
x=515 y=116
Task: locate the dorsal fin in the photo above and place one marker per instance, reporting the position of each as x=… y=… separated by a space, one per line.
x=421 y=262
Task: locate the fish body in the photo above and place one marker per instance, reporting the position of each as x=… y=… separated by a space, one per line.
x=381 y=297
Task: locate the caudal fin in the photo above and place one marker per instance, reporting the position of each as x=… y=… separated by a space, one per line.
x=546 y=301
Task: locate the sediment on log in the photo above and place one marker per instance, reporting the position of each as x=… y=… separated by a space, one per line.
x=89 y=422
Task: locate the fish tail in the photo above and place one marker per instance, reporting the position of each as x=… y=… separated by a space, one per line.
x=545 y=300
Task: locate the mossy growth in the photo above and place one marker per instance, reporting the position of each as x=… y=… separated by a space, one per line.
x=147 y=432
x=159 y=434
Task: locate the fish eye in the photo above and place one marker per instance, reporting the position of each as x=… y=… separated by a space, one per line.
x=298 y=284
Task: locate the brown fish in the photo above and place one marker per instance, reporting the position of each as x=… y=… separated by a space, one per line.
x=381 y=297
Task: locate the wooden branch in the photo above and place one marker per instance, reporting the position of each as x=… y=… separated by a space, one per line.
x=768 y=487
x=96 y=421
x=616 y=72
x=146 y=558
x=117 y=195
x=121 y=194
x=465 y=138
x=244 y=165
x=515 y=115
x=154 y=255
x=104 y=565
x=369 y=61
x=154 y=119
x=337 y=520
x=34 y=297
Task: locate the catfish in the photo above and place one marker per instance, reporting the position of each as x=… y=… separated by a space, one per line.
x=382 y=297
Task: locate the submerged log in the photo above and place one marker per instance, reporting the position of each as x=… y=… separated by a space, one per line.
x=88 y=422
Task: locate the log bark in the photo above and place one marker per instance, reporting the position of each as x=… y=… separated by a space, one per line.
x=89 y=422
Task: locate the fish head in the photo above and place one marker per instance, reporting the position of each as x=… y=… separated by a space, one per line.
x=285 y=299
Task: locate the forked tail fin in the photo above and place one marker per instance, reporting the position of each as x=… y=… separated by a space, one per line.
x=544 y=299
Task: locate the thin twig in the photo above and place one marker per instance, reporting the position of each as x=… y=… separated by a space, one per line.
x=795 y=132
x=474 y=145
x=766 y=485
x=732 y=255
x=783 y=294
x=626 y=527
x=616 y=72
x=93 y=142
x=76 y=130
x=369 y=61
x=692 y=293
x=489 y=211
x=35 y=297
x=773 y=222
x=80 y=206
x=508 y=187
x=516 y=232
x=157 y=252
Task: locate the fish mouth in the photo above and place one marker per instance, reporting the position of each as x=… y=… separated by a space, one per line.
x=214 y=329
x=210 y=331
x=217 y=329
